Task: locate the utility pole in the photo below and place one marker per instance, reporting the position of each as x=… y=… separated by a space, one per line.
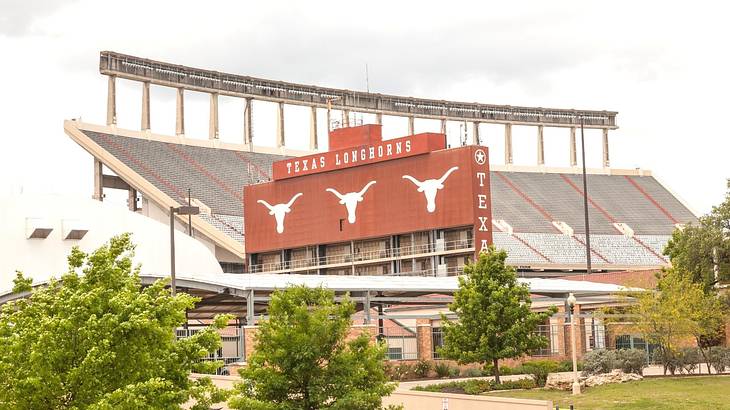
x=585 y=198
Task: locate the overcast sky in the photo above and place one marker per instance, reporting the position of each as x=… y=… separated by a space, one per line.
x=663 y=67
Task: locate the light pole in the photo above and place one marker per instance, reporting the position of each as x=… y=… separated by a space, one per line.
x=576 y=384
x=180 y=210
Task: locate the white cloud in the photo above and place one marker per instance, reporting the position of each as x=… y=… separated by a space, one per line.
x=662 y=66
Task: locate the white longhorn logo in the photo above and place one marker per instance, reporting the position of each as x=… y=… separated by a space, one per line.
x=350 y=200
x=279 y=211
x=430 y=187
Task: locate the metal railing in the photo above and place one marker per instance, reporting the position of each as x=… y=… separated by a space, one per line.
x=388 y=253
x=172 y=75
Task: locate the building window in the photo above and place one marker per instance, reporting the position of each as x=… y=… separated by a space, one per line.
x=437 y=340
x=395 y=353
x=231 y=267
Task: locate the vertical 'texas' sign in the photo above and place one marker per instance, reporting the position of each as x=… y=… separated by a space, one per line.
x=481 y=200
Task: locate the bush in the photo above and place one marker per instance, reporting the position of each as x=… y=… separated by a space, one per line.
x=631 y=360
x=506 y=371
x=667 y=359
x=539 y=370
x=688 y=359
x=515 y=384
x=719 y=358
x=403 y=371
x=476 y=387
x=442 y=370
x=422 y=368
x=567 y=366
x=454 y=372
x=472 y=372
x=599 y=361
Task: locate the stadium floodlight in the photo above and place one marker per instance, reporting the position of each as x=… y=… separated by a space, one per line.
x=180 y=210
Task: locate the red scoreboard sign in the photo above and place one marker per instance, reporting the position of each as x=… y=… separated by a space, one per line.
x=415 y=191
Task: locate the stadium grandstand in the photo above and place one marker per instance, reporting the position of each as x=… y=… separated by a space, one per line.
x=536 y=211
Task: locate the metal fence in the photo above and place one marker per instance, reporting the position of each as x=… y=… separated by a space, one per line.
x=231 y=350
x=401 y=341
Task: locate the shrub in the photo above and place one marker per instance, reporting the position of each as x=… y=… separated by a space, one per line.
x=667 y=359
x=599 y=361
x=422 y=368
x=454 y=372
x=515 y=384
x=539 y=370
x=389 y=370
x=403 y=371
x=506 y=371
x=472 y=372
x=476 y=386
x=631 y=360
x=567 y=366
x=719 y=358
x=688 y=359
x=442 y=370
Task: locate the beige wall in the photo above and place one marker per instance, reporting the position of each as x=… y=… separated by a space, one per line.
x=425 y=400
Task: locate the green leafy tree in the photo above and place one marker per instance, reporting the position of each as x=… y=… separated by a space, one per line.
x=303 y=359
x=676 y=312
x=695 y=249
x=97 y=340
x=495 y=321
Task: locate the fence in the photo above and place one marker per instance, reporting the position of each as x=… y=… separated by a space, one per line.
x=231 y=350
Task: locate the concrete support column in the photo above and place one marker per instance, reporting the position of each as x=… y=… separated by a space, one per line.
x=573 y=151
x=477 y=140
x=313 y=129
x=424 y=341
x=443 y=126
x=111 y=101
x=540 y=146
x=379 y=118
x=606 y=161
x=280 y=140
x=98 y=181
x=213 y=120
x=180 y=113
x=411 y=124
x=132 y=199
x=145 y=106
x=247 y=122
x=345 y=118
x=508 y=144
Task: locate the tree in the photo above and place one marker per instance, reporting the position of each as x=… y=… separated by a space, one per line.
x=98 y=340
x=495 y=321
x=695 y=249
x=676 y=312
x=304 y=361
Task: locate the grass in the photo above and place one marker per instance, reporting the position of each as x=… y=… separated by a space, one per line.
x=709 y=392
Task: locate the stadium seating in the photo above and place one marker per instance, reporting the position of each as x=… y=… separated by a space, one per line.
x=528 y=201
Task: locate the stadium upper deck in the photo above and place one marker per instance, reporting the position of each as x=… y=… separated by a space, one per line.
x=537 y=213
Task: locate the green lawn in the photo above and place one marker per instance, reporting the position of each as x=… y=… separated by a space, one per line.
x=709 y=392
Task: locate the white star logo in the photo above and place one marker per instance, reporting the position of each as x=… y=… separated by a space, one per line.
x=480 y=157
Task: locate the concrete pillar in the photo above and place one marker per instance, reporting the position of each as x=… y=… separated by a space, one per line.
x=213 y=119
x=132 y=199
x=411 y=124
x=424 y=341
x=248 y=122
x=313 y=129
x=145 y=106
x=540 y=146
x=345 y=118
x=508 y=144
x=180 y=113
x=560 y=324
x=280 y=125
x=111 y=101
x=379 y=118
x=573 y=155
x=98 y=181
x=443 y=125
x=606 y=162
x=477 y=140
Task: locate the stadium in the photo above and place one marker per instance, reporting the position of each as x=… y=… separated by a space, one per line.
x=390 y=221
